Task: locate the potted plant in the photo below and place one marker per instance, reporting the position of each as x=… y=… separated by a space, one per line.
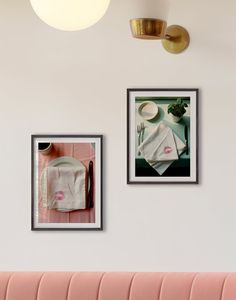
x=177 y=110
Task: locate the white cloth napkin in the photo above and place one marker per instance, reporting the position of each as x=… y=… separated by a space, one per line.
x=161 y=148
x=65 y=188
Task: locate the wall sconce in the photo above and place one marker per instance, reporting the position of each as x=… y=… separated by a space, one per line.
x=70 y=15
x=175 y=38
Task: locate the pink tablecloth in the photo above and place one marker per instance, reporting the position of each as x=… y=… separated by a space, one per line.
x=83 y=152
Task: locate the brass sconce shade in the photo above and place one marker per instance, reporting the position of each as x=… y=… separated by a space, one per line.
x=148 y=29
x=175 y=39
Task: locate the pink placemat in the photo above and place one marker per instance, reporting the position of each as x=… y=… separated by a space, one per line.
x=84 y=152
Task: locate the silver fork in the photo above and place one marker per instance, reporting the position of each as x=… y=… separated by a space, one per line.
x=139 y=131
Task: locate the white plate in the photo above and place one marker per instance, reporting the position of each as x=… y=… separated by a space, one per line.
x=148 y=110
x=64 y=161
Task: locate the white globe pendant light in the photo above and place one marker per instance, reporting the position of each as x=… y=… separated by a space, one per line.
x=70 y=15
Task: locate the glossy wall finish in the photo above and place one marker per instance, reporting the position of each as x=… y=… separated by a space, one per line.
x=117 y=286
x=58 y=82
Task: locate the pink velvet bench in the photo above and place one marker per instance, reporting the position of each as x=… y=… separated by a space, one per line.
x=117 y=286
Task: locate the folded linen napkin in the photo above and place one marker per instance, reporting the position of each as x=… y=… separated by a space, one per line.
x=161 y=148
x=65 y=188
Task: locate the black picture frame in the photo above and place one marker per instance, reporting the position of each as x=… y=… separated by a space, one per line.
x=158 y=92
x=34 y=201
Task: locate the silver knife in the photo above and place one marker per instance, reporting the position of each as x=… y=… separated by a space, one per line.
x=186 y=138
x=90 y=192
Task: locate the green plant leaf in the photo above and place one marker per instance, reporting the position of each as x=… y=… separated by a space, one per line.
x=179 y=101
x=177 y=109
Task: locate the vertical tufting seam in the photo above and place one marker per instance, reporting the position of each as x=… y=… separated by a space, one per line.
x=130 y=286
x=40 y=280
x=223 y=286
x=164 y=277
x=8 y=284
x=68 y=289
x=99 y=286
x=191 y=288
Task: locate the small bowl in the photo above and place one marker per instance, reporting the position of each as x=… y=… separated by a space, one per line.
x=148 y=110
x=45 y=149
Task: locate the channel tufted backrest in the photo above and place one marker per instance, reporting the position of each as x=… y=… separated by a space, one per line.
x=117 y=286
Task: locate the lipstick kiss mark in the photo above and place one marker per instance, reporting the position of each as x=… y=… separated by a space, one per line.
x=168 y=150
x=59 y=195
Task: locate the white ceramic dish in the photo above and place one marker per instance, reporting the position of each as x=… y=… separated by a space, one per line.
x=148 y=110
x=65 y=161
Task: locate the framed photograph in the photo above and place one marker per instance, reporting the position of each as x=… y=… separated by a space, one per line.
x=162 y=136
x=66 y=182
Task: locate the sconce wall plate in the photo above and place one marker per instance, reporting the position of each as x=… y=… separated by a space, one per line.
x=175 y=38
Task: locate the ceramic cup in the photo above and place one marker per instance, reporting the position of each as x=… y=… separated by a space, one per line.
x=45 y=148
